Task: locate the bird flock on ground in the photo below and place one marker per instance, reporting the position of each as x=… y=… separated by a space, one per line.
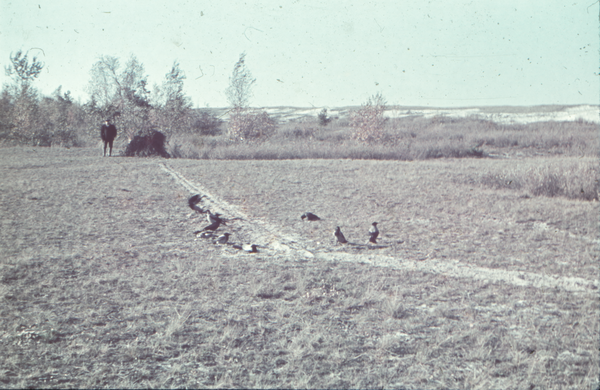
x=215 y=221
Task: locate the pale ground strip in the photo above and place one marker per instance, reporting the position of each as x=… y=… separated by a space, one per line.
x=500 y=115
x=522 y=115
x=287 y=245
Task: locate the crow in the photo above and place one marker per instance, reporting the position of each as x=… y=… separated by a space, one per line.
x=213 y=218
x=223 y=239
x=310 y=217
x=339 y=236
x=193 y=203
x=211 y=227
x=374 y=232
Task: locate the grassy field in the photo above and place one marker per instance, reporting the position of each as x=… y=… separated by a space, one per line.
x=406 y=139
x=479 y=282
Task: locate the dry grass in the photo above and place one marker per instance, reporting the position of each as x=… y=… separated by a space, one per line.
x=102 y=284
x=405 y=139
x=576 y=179
x=438 y=208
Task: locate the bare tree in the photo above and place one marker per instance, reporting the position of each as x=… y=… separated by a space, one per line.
x=239 y=91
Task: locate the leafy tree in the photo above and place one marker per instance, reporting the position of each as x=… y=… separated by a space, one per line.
x=6 y=112
x=21 y=70
x=61 y=118
x=24 y=119
x=121 y=93
x=172 y=107
x=243 y=125
x=239 y=91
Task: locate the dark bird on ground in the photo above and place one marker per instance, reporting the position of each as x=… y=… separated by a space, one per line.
x=108 y=133
x=373 y=232
x=193 y=203
x=339 y=236
x=213 y=218
x=310 y=217
x=223 y=239
x=211 y=227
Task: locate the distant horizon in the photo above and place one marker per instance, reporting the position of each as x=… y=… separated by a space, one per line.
x=498 y=114
x=408 y=107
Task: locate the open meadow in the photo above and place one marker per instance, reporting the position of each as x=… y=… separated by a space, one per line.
x=479 y=279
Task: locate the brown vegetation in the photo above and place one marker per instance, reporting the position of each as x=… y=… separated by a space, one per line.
x=109 y=288
x=247 y=126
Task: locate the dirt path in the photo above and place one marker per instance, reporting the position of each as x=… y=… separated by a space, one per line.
x=285 y=245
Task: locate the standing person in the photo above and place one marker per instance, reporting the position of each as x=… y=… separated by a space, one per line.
x=108 y=132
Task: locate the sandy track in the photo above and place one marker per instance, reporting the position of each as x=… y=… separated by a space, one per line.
x=286 y=246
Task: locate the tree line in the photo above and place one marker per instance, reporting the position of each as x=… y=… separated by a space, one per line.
x=119 y=91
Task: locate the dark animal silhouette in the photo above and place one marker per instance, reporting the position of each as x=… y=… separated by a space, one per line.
x=147 y=143
x=108 y=133
x=211 y=227
x=373 y=232
x=212 y=218
x=310 y=217
x=339 y=236
x=193 y=203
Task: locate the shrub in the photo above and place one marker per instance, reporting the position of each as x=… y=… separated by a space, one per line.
x=207 y=124
x=246 y=126
x=323 y=119
x=575 y=181
x=578 y=181
x=368 y=121
x=302 y=132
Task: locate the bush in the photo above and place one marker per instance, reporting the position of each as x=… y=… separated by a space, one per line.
x=247 y=126
x=574 y=182
x=323 y=119
x=368 y=121
x=207 y=124
x=302 y=132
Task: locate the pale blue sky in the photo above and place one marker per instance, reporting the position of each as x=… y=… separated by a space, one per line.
x=444 y=53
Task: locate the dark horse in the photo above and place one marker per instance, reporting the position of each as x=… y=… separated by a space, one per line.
x=108 y=132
